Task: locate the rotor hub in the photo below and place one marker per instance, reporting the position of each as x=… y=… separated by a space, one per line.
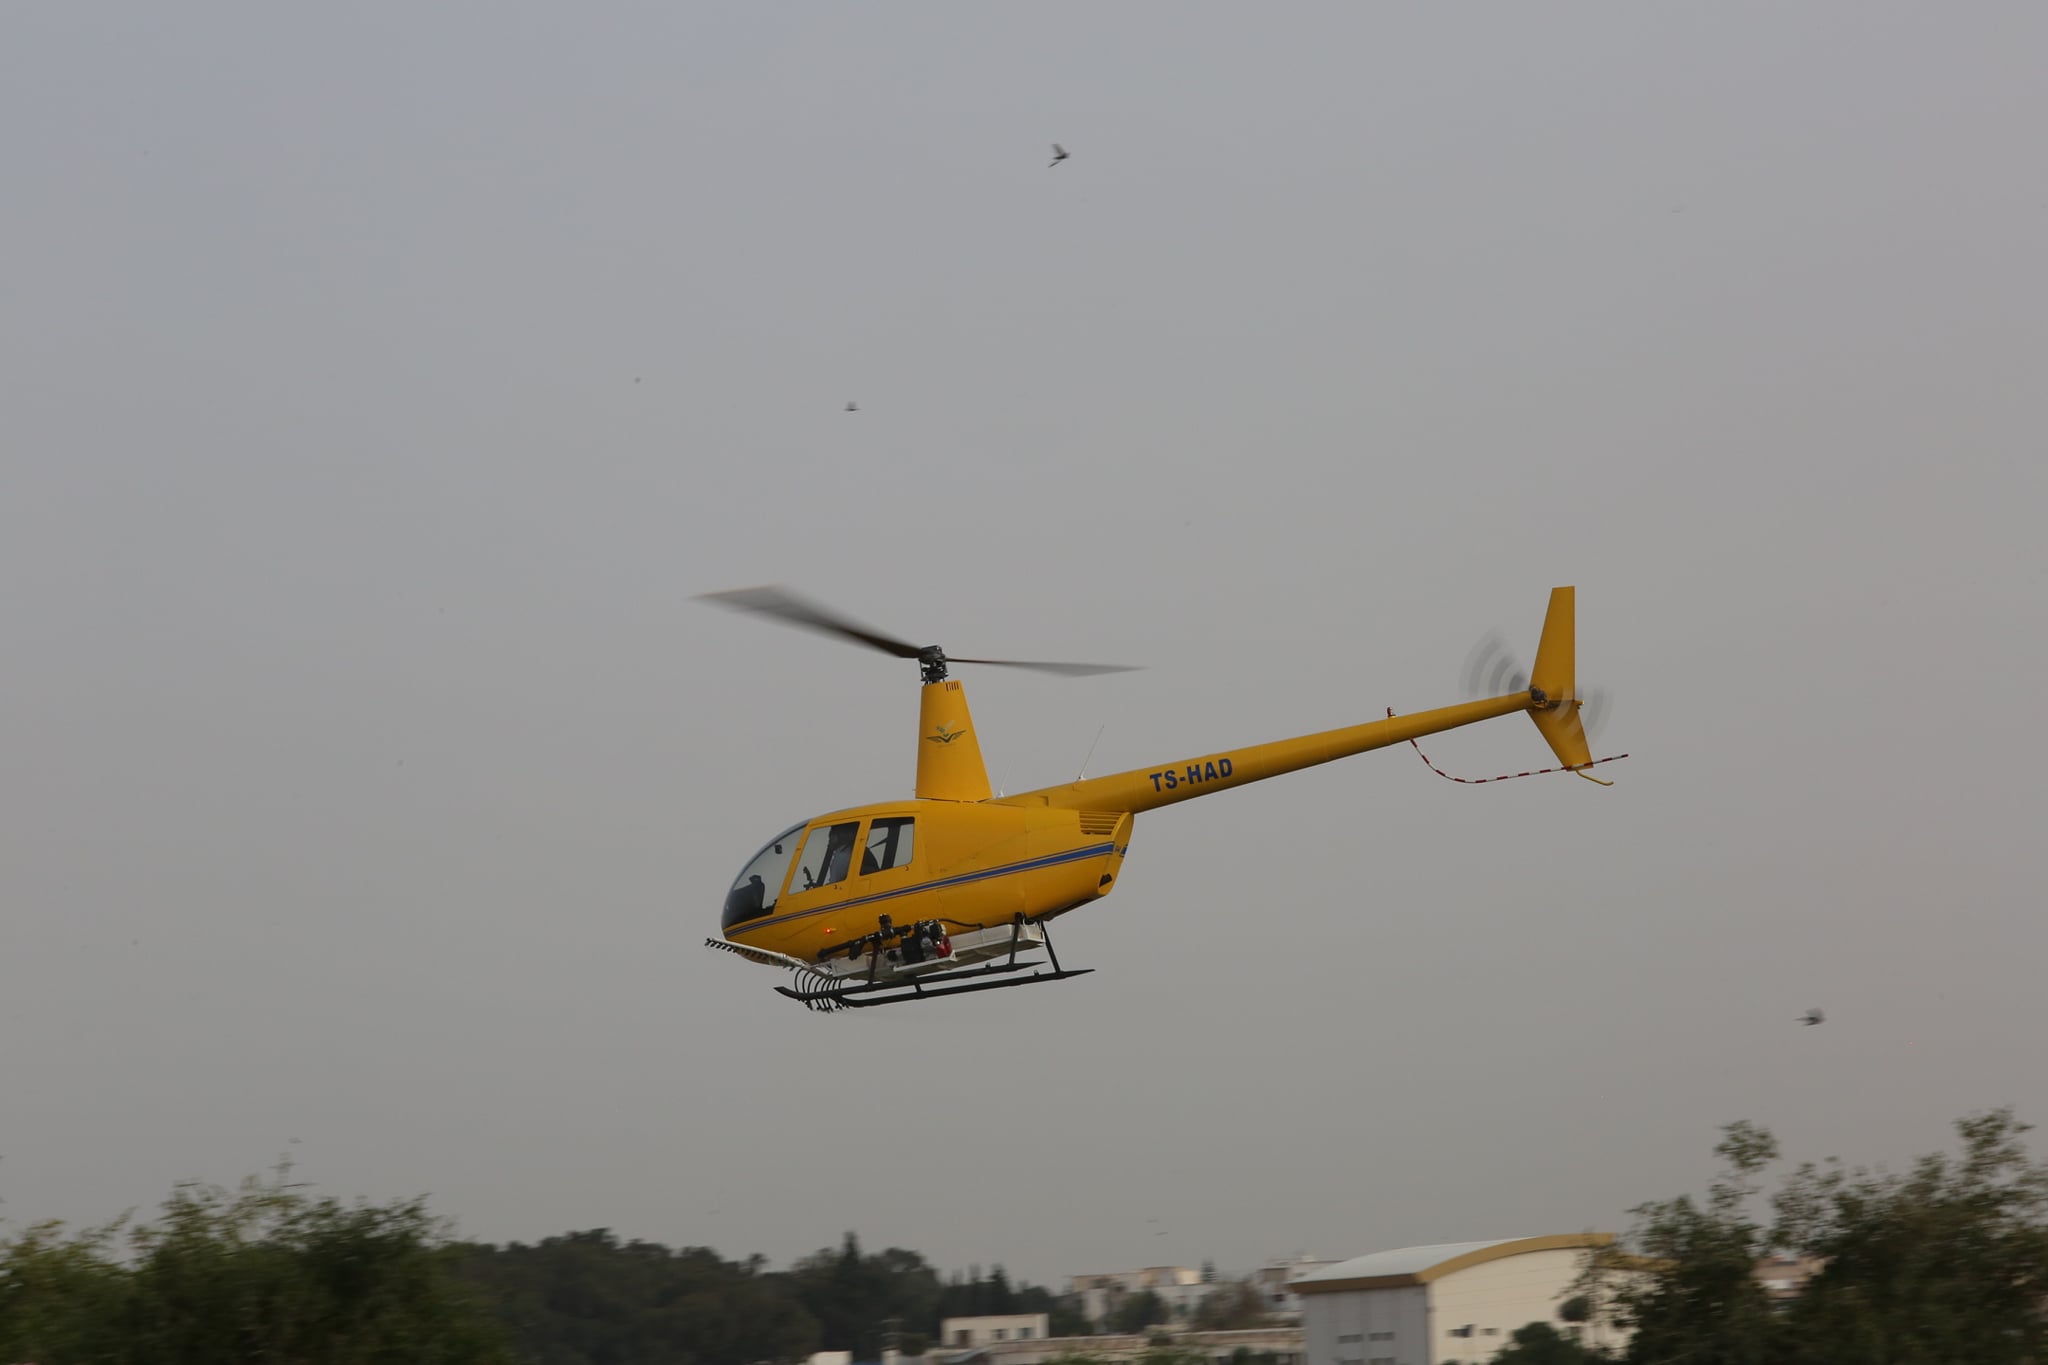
x=931 y=664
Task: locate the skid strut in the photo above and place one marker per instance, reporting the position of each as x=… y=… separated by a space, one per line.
x=827 y=994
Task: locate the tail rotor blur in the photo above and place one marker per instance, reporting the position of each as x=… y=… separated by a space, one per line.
x=1493 y=669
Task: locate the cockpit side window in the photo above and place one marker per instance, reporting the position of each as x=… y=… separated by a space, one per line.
x=827 y=857
x=889 y=845
x=754 y=891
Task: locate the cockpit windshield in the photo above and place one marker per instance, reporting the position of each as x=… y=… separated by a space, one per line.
x=760 y=881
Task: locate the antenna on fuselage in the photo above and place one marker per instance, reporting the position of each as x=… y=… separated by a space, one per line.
x=1091 y=751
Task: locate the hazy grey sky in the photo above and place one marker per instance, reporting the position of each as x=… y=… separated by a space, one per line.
x=379 y=382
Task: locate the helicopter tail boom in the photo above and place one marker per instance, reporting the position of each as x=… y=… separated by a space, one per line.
x=1548 y=697
x=1143 y=790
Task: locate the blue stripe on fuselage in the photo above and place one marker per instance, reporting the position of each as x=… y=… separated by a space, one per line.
x=1008 y=869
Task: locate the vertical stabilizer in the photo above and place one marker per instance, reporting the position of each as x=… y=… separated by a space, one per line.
x=949 y=766
x=1554 y=675
x=1556 y=678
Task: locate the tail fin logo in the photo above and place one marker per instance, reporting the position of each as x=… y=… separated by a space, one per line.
x=946 y=733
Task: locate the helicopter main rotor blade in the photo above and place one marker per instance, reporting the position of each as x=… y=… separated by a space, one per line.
x=1064 y=670
x=786 y=606
x=783 y=605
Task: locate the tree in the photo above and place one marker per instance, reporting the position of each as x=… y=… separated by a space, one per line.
x=1001 y=1298
x=852 y=1295
x=587 y=1297
x=62 y=1296
x=1065 y=1317
x=1541 y=1344
x=1236 y=1306
x=1166 y=1353
x=1947 y=1262
x=1702 y=1303
x=1154 y=1354
x=265 y=1272
x=1138 y=1311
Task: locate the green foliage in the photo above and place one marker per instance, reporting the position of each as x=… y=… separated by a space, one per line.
x=1065 y=1318
x=1705 y=1306
x=1235 y=1306
x=588 y=1297
x=856 y=1297
x=1166 y=1353
x=1138 y=1311
x=263 y=1273
x=1945 y=1263
x=973 y=1296
x=62 y=1296
x=1160 y=1352
x=1541 y=1344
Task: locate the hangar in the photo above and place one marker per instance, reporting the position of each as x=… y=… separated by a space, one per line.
x=1434 y=1304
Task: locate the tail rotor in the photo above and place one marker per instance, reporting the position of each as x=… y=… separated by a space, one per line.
x=1493 y=669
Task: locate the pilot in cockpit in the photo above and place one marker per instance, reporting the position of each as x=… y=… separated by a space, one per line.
x=747 y=900
x=838 y=854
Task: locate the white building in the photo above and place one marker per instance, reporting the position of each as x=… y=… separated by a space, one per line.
x=960 y=1334
x=1784 y=1277
x=1178 y=1287
x=1282 y=1345
x=1428 y=1305
x=1275 y=1282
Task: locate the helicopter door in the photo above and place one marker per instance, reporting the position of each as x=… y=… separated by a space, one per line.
x=826 y=859
x=891 y=841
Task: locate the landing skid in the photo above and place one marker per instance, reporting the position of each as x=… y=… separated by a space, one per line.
x=926 y=987
x=885 y=979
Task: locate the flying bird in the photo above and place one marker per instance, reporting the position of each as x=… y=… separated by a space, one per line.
x=1812 y=1017
x=1059 y=154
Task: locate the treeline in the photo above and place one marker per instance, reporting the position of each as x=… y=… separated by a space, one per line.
x=271 y=1273
x=588 y=1297
x=1943 y=1263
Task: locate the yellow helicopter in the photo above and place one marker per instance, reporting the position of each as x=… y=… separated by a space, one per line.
x=950 y=891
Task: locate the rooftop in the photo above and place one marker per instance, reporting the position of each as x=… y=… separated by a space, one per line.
x=1420 y=1265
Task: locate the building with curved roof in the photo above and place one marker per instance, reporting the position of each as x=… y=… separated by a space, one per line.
x=1455 y=1301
